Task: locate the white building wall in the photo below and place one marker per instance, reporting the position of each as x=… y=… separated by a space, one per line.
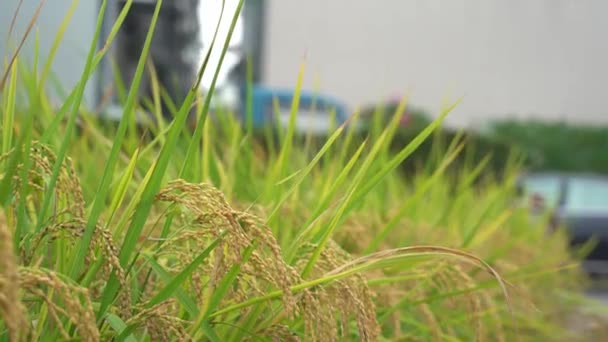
x=543 y=58
x=71 y=55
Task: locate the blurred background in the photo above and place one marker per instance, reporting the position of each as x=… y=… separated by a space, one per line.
x=531 y=74
x=543 y=59
x=540 y=59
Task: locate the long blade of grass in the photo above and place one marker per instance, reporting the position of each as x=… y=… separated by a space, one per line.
x=120 y=327
x=8 y=117
x=206 y=150
x=122 y=222
x=69 y=127
x=24 y=140
x=145 y=205
x=11 y=169
x=324 y=203
x=358 y=189
x=22 y=222
x=472 y=231
x=474 y=174
x=156 y=100
x=300 y=177
x=287 y=141
x=354 y=118
x=123 y=185
x=402 y=155
x=100 y=198
x=174 y=289
x=483 y=235
x=323 y=236
x=209 y=332
x=394 y=221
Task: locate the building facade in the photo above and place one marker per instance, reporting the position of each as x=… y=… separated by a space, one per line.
x=545 y=58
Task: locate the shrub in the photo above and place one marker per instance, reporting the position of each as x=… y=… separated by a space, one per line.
x=556 y=146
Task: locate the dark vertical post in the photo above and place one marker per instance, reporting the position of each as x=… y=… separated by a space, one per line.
x=254 y=22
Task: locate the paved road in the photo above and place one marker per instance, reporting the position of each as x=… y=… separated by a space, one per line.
x=599 y=294
x=592 y=319
x=599 y=290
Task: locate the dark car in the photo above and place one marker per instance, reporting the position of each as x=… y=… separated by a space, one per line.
x=579 y=203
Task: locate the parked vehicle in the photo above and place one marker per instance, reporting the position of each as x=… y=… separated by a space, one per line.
x=579 y=203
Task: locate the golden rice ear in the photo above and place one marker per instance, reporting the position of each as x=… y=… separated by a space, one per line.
x=276 y=333
x=68 y=188
x=206 y=212
x=69 y=220
x=350 y=297
x=75 y=304
x=161 y=325
x=12 y=309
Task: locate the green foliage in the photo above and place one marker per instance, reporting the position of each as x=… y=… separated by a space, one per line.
x=556 y=146
x=211 y=235
x=494 y=154
x=537 y=145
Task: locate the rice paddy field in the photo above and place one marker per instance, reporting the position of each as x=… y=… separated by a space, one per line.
x=210 y=230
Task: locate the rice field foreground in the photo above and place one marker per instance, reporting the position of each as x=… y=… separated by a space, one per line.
x=218 y=232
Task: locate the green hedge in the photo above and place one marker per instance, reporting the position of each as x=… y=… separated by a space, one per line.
x=477 y=147
x=542 y=145
x=556 y=145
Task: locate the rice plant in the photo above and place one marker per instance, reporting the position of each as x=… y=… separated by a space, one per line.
x=215 y=231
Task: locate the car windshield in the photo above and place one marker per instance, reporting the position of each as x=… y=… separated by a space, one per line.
x=546 y=186
x=587 y=195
